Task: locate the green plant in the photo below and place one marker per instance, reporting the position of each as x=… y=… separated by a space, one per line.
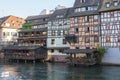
x=100 y=53
x=27 y=26
x=70 y=58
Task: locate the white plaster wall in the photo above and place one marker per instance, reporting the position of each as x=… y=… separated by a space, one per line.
x=56 y=52
x=8 y=38
x=112 y=56
x=58 y=43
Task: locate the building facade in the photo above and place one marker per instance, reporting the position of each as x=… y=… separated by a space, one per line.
x=85 y=26
x=58 y=27
x=31 y=43
x=9 y=27
x=110 y=30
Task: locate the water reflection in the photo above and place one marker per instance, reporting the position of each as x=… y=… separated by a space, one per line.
x=47 y=71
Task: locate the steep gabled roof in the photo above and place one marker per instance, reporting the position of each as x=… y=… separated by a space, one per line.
x=86 y=3
x=85 y=13
x=59 y=14
x=112 y=7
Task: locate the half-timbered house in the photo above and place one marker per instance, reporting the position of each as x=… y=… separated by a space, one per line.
x=110 y=30
x=84 y=31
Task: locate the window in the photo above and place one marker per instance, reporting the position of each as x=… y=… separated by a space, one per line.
x=64 y=41
x=61 y=50
x=65 y=22
x=95 y=7
x=115 y=3
x=86 y=18
x=53 y=41
x=77 y=47
x=15 y=34
x=87 y=39
x=75 y=20
x=59 y=16
x=60 y=23
x=7 y=24
x=107 y=26
x=58 y=32
x=112 y=14
x=52 y=50
x=83 y=9
x=82 y=1
x=107 y=38
x=95 y=17
x=76 y=30
x=53 y=33
x=96 y=39
x=65 y=32
x=3 y=33
x=91 y=8
x=96 y=29
x=119 y=39
x=87 y=29
x=76 y=10
x=107 y=5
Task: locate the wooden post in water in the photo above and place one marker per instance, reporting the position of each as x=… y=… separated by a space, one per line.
x=25 y=61
x=17 y=61
x=34 y=61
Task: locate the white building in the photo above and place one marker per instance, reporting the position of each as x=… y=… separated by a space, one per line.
x=58 y=27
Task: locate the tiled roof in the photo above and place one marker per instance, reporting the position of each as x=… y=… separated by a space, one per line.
x=112 y=7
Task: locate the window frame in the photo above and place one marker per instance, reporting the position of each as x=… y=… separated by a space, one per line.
x=107 y=4
x=114 y=3
x=108 y=39
x=75 y=20
x=86 y=18
x=52 y=41
x=96 y=38
x=87 y=41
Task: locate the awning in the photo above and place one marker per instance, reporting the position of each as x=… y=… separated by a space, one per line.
x=79 y=51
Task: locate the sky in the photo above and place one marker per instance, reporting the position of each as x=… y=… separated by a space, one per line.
x=24 y=8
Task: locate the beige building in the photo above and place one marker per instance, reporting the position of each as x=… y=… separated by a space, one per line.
x=9 y=27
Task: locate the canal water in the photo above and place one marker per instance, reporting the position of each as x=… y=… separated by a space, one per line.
x=58 y=71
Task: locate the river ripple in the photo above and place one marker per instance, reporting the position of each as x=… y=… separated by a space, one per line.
x=58 y=71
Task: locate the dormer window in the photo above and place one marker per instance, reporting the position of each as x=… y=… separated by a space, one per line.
x=7 y=24
x=115 y=3
x=107 y=5
x=82 y=1
x=59 y=16
x=83 y=9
